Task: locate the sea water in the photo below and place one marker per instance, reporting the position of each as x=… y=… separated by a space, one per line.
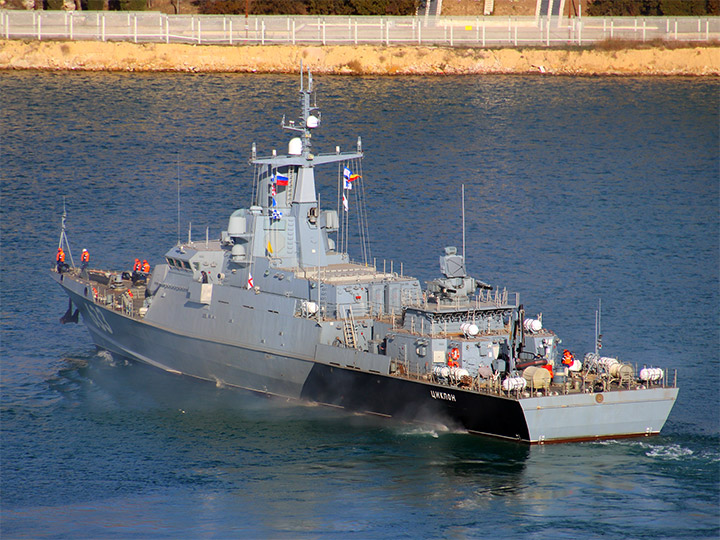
x=578 y=190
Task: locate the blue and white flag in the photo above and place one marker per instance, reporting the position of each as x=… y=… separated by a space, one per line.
x=274 y=214
x=347 y=184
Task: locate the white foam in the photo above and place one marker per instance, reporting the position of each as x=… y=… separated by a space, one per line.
x=671 y=451
x=423 y=431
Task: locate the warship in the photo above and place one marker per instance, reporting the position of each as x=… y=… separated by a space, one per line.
x=276 y=306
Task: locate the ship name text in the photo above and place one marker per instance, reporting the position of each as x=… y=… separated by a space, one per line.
x=442 y=395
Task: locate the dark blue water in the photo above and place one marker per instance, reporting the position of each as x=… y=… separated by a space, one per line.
x=577 y=189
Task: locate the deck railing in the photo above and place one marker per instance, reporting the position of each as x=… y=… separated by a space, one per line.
x=146 y=27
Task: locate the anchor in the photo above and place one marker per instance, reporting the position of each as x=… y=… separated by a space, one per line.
x=69 y=316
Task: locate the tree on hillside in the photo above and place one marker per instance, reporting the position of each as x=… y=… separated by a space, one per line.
x=309 y=7
x=329 y=7
x=652 y=8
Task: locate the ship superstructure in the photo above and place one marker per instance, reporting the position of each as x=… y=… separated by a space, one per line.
x=276 y=306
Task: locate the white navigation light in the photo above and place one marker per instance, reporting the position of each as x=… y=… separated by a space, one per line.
x=295 y=146
x=312 y=122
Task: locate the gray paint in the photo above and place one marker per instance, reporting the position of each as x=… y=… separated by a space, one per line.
x=309 y=304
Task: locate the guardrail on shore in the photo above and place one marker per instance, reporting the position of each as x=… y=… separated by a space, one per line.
x=154 y=27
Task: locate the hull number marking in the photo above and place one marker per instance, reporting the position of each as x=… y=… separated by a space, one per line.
x=98 y=318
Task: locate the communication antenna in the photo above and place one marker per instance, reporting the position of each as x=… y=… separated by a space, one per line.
x=463 y=222
x=178 y=200
x=598 y=327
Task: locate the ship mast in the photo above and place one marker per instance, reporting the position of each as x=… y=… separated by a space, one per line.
x=64 y=243
x=284 y=187
x=308 y=119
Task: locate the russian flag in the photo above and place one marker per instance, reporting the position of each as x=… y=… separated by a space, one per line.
x=281 y=179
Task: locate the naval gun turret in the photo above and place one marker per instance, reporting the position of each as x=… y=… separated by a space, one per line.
x=456 y=285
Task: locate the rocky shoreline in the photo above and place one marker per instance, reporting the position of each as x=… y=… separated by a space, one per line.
x=356 y=60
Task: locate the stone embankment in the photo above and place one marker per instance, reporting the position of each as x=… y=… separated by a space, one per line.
x=357 y=60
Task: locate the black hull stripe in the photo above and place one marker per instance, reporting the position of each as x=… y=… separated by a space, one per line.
x=415 y=402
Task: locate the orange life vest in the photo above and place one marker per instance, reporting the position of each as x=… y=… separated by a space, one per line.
x=85 y=257
x=146 y=267
x=60 y=256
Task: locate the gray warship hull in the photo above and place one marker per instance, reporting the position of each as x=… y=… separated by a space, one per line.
x=328 y=375
x=276 y=306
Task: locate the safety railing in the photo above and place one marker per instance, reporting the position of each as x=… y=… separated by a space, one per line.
x=156 y=27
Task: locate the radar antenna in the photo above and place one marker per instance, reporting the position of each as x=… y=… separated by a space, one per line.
x=309 y=116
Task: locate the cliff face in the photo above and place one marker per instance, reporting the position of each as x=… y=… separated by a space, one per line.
x=355 y=60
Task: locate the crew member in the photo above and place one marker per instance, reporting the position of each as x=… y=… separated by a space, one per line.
x=85 y=259
x=145 y=266
x=60 y=259
x=136 y=271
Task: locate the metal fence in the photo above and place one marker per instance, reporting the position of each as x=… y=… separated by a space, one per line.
x=143 y=27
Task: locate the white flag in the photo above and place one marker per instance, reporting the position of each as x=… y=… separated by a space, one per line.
x=345 y=202
x=250 y=284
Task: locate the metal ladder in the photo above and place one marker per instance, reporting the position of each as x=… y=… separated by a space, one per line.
x=489 y=7
x=349 y=330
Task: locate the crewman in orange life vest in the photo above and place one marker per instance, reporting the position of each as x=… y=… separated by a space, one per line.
x=85 y=258
x=567 y=358
x=145 y=266
x=60 y=259
x=136 y=266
